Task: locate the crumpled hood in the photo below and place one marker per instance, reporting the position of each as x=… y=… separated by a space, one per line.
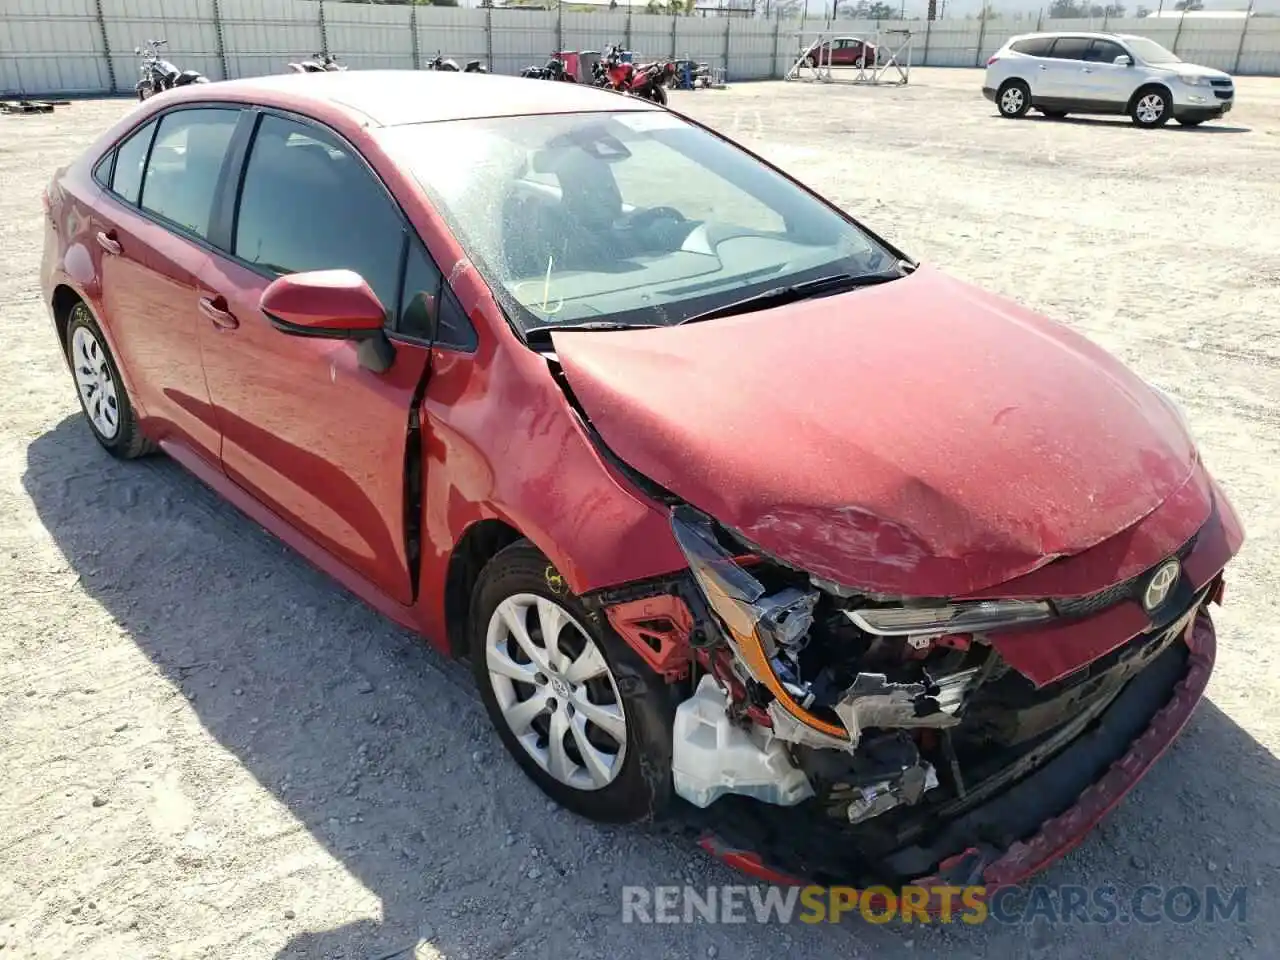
x=920 y=438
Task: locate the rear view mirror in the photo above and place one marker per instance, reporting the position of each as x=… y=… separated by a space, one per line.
x=1123 y=61
x=137 y=50
x=332 y=305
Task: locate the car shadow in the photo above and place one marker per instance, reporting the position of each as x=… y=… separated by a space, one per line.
x=379 y=748
x=1209 y=126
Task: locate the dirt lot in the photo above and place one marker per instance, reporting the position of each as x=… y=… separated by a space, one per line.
x=211 y=751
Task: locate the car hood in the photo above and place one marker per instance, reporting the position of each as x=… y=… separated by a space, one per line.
x=919 y=438
x=1195 y=70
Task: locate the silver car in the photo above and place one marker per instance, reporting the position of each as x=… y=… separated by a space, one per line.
x=1104 y=73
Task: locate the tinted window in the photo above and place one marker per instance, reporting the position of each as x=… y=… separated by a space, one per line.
x=307 y=203
x=1037 y=47
x=131 y=155
x=1070 y=48
x=424 y=295
x=1104 y=51
x=182 y=174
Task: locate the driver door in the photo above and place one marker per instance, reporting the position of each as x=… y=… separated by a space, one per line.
x=306 y=429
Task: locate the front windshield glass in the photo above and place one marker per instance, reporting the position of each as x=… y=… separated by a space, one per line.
x=627 y=217
x=1150 y=51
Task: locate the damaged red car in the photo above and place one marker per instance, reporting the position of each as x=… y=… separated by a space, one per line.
x=725 y=498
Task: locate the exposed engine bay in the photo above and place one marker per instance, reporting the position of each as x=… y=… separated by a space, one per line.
x=805 y=691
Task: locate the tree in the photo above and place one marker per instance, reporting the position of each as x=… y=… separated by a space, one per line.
x=868 y=10
x=1188 y=6
x=1066 y=10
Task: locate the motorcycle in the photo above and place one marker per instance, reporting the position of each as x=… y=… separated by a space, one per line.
x=553 y=69
x=647 y=80
x=449 y=65
x=318 y=63
x=159 y=74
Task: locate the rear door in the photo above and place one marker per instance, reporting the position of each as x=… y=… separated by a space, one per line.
x=152 y=229
x=316 y=437
x=1061 y=79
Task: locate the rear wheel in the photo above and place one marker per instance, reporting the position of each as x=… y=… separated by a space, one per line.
x=577 y=708
x=657 y=94
x=103 y=398
x=1151 y=108
x=1013 y=99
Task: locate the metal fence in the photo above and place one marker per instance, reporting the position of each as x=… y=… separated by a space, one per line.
x=86 y=46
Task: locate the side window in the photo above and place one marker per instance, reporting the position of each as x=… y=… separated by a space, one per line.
x=1069 y=48
x=1035 y=47
x=182 y=174
x=424 y=295
x=131 y=156
x=1104 y=51
x=307 y=203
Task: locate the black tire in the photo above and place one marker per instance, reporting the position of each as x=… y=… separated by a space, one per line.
x=641 y=789
x=1054 y=114
x=1013 y=99
x=1151 y=107
x=128 y=442
x=658 y=95
x=1184 y=122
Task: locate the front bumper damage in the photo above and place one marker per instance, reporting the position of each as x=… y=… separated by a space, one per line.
x=1093 y=775
x=862 y=784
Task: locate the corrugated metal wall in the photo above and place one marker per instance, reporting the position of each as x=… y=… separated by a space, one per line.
x=86 y=46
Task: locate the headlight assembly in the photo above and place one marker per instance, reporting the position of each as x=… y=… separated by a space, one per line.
x=977 y=617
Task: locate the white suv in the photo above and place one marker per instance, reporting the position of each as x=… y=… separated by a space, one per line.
x=1103 y=73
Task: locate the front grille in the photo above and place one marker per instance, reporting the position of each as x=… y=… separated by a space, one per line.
x=1220 y=83
x=1075 y=608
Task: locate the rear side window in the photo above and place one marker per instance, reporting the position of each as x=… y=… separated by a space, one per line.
x=186 y=159
x=1104 y=51
x=1035 y=47
x=1070 y=48
x=131 y=157
x=308 y=203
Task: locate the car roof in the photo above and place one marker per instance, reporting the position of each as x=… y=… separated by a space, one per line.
x=1085 y=34
x=394 y=97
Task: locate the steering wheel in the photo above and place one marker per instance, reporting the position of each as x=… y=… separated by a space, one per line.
x=643 y=218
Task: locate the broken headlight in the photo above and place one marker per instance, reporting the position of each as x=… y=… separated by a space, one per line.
x=759 y=626
x=976 y=617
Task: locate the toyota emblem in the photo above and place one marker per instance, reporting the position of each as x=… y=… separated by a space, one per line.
x=1161 y=585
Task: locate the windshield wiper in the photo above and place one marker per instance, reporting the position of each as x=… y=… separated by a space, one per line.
x=777 y=296
x=545 y=331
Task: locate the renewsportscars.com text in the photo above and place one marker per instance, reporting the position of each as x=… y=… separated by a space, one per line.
x=1069 y=904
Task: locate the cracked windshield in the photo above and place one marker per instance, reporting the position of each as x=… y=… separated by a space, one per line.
x=630 y=218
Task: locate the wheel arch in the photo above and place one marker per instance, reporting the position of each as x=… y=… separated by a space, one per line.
x=1144 y=88
x=479 y=543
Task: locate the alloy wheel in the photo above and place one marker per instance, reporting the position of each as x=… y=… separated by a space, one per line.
x=94 y=381
x=556 y=692
x=1150 y=108
x=1011 y=101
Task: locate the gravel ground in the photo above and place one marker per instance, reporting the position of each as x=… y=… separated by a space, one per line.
x=212 y=751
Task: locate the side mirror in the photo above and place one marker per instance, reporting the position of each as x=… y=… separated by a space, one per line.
x=1123 y=61
x=331 y=305
x=138 y=51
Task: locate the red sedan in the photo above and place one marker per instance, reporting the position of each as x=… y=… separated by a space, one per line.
x=723 y=497
x=844 y=52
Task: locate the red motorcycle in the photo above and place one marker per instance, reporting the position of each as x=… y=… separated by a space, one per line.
x=648 y=80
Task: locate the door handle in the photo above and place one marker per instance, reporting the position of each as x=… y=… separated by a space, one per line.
x=1043 y=67
x=108 y=242
x=215 y=308
x=1085 y=70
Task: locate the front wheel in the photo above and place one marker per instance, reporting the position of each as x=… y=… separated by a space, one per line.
x=1151 y=108
x=657 y=94
x=577 y=708
x=145 y=90
x=1014 y=99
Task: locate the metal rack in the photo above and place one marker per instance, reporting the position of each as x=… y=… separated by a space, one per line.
x=893 y=70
